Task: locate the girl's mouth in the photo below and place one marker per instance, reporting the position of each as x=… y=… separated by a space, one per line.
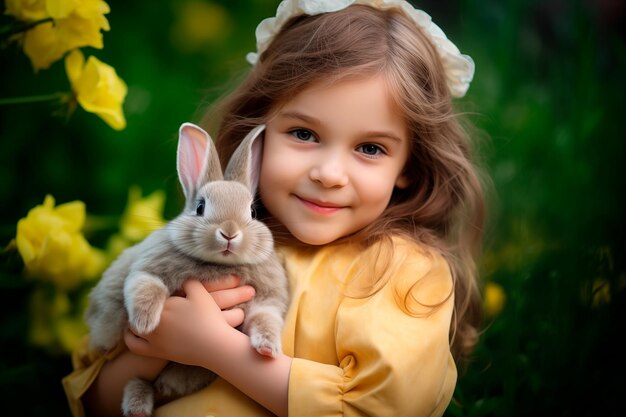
x=320 y=207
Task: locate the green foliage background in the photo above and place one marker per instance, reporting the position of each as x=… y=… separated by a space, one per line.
x=549 y=97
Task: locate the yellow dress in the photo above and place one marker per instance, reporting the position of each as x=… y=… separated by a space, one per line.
x=383 y=354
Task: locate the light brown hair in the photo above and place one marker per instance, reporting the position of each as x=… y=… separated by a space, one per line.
x=443 y=207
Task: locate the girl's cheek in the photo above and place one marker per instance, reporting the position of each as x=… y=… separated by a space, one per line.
x=267 y=182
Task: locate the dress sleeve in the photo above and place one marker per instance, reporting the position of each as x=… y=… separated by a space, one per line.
x=87 y=365
x=393 y=360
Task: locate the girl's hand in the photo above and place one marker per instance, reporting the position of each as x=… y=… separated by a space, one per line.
x=191 y=325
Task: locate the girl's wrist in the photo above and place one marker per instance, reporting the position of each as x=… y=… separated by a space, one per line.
x=146 y=367
x=224 y=339
x=153 y=367
x=261 y=378
x=234 y=348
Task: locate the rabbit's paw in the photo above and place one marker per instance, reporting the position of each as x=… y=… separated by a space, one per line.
x=178 y=379
x=266 y=343
x=138 y=399
x=144 y=321
x=145 y=296
x=264 y=326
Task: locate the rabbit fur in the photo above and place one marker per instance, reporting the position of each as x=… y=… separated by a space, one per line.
x=214 y=236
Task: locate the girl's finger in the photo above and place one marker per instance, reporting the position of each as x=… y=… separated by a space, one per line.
x=228 y=281
x=224 y=283
x=233 y=317
x=231 y=297
x=134 y=343
x=193 y=288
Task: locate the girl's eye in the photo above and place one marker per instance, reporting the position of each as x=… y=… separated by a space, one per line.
x=370 y=149
x=200 y=207
x=302 y=134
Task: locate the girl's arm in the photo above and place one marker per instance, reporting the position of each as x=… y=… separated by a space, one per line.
x=104 y=396
x=392 y=348
x=210 y=342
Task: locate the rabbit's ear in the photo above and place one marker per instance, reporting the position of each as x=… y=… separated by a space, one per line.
x=245 y=164
x=197 y=161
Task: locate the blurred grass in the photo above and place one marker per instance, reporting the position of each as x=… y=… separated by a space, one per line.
x=549 y=96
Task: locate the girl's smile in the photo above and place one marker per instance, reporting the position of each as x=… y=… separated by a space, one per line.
x=320 y=207
x=332 y=157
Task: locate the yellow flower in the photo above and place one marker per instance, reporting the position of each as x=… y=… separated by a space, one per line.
x=76 y=24
x=42 y=311
x=97 y=88
x=116 y=245
x=26 y=10
x=51 y=244
x=69 y=331
x=60 y=9
x=601 y=292
x=56 y=322
x=142 y=215
x=494 y=300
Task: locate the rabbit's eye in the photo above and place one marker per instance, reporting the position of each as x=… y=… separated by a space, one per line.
x=200 y=207
x=252 y=212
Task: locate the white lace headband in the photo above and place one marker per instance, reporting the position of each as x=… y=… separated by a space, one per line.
x=459 y=68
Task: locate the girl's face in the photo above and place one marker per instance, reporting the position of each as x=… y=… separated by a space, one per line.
x=332 y=157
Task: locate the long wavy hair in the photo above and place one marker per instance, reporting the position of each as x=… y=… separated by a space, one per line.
x=443 y=207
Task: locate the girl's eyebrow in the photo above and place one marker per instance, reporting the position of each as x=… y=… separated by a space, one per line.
x=383 y=134
x=291 y=114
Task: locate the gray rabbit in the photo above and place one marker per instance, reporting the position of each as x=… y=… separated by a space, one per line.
x=214 y=236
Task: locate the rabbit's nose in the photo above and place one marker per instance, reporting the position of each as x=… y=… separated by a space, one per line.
x=228 y=237
x=229 y=230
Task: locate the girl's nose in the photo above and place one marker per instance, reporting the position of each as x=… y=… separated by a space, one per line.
x=329 y=171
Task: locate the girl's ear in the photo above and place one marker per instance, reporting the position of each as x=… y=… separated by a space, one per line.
x=197 y=161
x=245 y=164
x=402 y=181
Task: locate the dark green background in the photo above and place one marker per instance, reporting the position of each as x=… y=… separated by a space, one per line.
x=548 y=98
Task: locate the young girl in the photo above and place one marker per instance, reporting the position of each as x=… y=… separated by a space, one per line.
x=368 y=184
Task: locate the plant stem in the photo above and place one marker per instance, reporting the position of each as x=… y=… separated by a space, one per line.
x=95 y=223
x=19 y=28
x=33 y=99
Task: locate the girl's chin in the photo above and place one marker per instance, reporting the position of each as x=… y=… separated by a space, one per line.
x=314 y=239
